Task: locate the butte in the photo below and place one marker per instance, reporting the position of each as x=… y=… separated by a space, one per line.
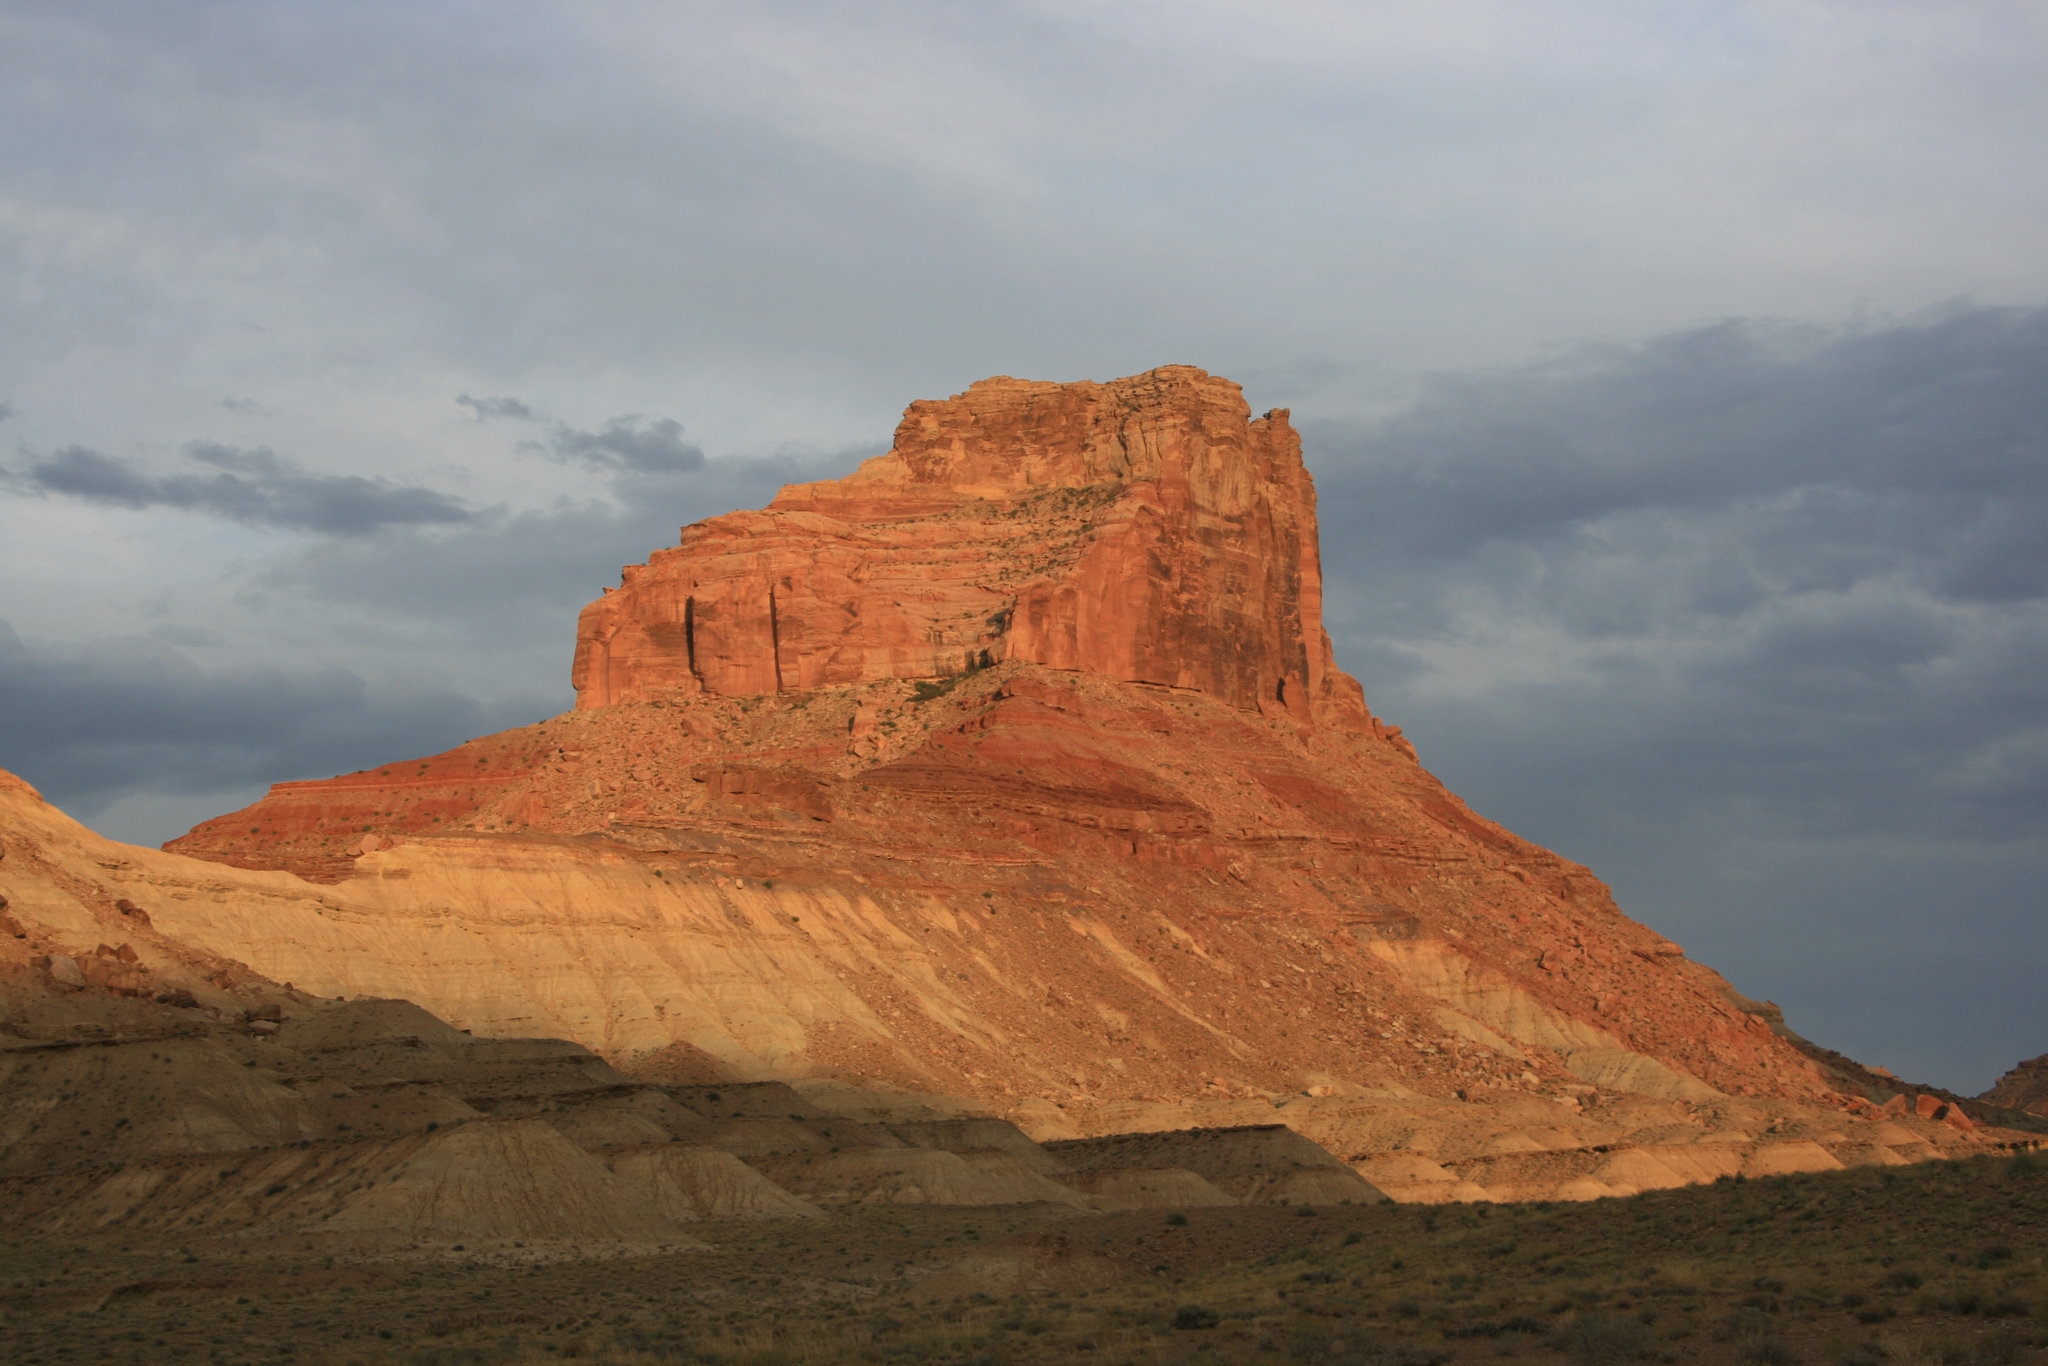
x=1016 y=767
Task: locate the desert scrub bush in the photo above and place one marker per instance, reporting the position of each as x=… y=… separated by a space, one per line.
x=1745 y=1323
x=1606 y=1337
x=1995 y=1350
x=1406 y=1354
x=926 y=689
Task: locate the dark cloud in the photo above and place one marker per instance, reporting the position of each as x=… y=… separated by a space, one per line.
x=1941 y=422
x=627 y=445
x=6 y=410
x=524 y=576
x=1750 y=596
x=1833 y=545
x=250 y=485
x=91 y=724
x=488 y=408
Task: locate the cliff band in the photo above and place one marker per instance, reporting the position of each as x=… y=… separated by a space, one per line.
x=1143 y=531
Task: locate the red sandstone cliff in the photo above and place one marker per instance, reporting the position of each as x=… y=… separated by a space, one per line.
x=1146 y=530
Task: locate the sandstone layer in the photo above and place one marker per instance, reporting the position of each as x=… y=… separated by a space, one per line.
x=156 y=1093
x=1016 y=766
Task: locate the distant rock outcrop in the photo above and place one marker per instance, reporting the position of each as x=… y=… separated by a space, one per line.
x=2025 y=1088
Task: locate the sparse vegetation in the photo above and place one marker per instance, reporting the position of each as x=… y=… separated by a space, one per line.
x=1770 y=1271
x=927 y=689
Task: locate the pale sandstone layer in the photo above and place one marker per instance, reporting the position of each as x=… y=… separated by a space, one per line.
x=1016 y=766
x=152 y=1092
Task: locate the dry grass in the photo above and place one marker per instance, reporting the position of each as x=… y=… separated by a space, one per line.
x=1942 y=1263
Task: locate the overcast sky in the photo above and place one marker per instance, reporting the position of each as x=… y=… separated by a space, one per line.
x=1675 y=375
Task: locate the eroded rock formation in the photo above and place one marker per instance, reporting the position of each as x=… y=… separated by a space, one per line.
x=1015 y=766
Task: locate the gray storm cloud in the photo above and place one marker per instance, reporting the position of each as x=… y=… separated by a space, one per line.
x=1820 y=561
x=488 y=408
x=627 y=445
x=253 y=486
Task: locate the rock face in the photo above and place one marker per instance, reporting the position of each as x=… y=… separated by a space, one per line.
x=1015 y=766
x=1146 y=530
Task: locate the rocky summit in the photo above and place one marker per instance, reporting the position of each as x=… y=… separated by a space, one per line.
x=1143 y=531
x=1015 y=770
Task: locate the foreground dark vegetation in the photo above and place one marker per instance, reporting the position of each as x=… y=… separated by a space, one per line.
x=1938 y=1263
